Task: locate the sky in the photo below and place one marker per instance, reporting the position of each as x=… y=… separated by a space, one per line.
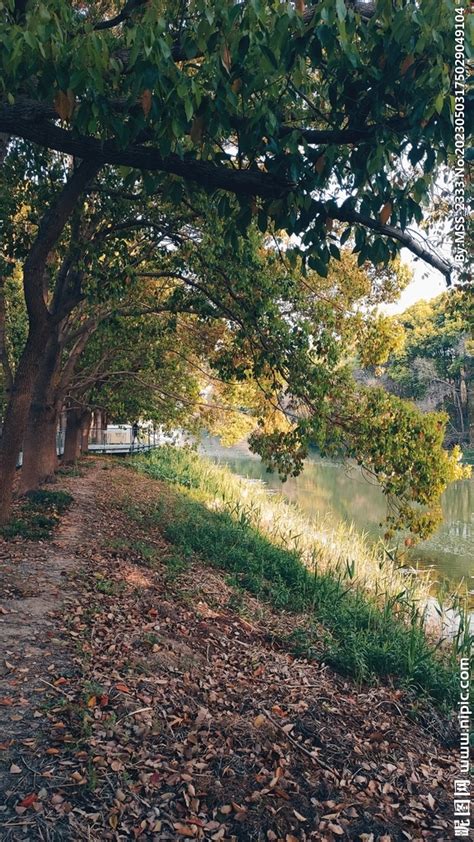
x=427 y=283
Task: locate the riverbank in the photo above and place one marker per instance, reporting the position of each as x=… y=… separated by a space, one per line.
x=335 y=492
x=145 y=694
x=373 y=614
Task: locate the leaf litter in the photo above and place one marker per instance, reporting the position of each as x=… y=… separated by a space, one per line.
x=152 y=704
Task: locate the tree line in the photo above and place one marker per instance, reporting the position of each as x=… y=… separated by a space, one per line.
x=197 y=192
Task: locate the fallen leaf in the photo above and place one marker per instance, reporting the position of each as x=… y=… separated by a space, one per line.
x=185 y=830
x=15 y=770
x=29 y=800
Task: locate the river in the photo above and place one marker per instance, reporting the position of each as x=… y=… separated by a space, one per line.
x=330 y=489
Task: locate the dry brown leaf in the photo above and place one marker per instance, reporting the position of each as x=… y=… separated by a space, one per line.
x=185 y=830
x=146 y=101
x=14 y=769
x=320 y=164
x=226 y=58
x=65 y=103
x=406 y=64
x=385 y=213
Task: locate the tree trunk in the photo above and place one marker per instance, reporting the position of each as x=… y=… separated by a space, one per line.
x=72 y=443
x=16 y=416
x=40 y=459
x=86 y=421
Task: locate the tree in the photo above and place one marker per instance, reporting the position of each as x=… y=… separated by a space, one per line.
x=240 y=98
x=246 y=98
x=434 y=364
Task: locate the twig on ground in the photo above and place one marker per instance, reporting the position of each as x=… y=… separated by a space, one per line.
x=298 y=745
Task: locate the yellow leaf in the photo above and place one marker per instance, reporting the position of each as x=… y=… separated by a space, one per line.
x=236 y=86
x=299 y=5
x=385 y=213
x=92 y=701
x=336 y=828
x=259 y=720
x=226 y=58
x=146 y=101
x=113 y=821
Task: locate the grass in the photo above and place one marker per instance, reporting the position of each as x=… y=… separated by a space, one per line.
x=39 y=514
x=370 y=611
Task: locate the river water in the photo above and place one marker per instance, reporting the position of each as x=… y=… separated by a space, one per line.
x=333 y=490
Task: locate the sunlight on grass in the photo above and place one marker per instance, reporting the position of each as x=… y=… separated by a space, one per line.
x=371 y=612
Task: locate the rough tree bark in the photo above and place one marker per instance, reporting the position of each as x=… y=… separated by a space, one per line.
x=39 y=443
x=86 y=421
x=72 y=442
x=40 y=324
x=39 y=447
x=4 y=361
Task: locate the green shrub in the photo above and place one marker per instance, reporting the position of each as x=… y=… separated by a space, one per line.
x=39 y=514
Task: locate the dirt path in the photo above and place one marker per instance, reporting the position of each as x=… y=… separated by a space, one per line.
x=142 y=698
x=35 y=587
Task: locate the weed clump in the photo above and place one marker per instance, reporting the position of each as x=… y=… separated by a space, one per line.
x=39 y=514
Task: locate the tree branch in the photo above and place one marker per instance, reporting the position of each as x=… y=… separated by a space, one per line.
x=209 y=176
x=51 y=228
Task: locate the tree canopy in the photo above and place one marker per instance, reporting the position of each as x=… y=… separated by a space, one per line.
x=434 y=364
x=339 y=111
x=236 y=179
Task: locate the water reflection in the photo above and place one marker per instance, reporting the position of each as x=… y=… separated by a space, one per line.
x=330 y=489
